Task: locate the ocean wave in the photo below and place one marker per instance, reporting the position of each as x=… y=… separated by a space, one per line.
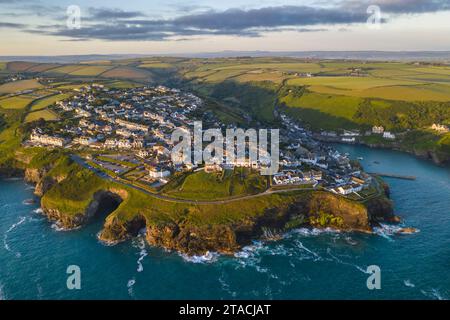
x=58 y=228
x=433 y=294
x=387 y=231
x=315 y=256
x=408 y=283
x=311 y=232
x=249 y=251
x=106 y=243
x=208 y=257
x=226 y=287
x=142 y=254
x=10 y=229
x=251 y=256
x=340 y=261
x=351 y=241
x=139 y=243
x=38 y=211
x=130 y=285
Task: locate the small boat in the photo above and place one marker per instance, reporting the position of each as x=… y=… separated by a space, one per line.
x=360 y=158
x=376 y=162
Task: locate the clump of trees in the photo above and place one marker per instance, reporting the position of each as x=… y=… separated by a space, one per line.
x=403 y=115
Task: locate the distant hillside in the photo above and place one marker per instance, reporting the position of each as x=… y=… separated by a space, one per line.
x=348 y=55
x=324 y=94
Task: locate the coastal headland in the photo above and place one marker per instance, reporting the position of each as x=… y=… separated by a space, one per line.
x=71 y=195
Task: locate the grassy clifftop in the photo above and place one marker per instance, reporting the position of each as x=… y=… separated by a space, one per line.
x=73 y=195
x=214 y=186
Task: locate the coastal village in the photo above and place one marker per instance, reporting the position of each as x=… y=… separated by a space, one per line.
x=125 y=134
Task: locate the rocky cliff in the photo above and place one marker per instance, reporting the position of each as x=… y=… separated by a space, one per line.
x=309 y=208
x=320 y=209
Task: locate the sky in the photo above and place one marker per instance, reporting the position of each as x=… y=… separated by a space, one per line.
x=73 y=27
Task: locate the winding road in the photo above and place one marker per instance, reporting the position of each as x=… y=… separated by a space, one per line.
x=103 y=175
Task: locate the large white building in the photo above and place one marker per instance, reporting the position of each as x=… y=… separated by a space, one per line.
x=48 y=140
x=132 y=125
x=378 y=129
x=157 y=173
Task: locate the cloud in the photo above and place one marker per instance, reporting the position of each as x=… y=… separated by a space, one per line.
x=109 y=14
x=12 y=25
x=399 y=6
x=119 y=25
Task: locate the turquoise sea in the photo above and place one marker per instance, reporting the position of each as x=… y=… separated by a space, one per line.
x=306 y=264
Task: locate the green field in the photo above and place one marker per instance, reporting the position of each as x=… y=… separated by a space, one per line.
x=67 y=69
x=20 y=66
x=155 y=65
x=209 y=186
x=324 y=94
x=20 y=85
x=45 y=114
x=122 y=85
x=323 y=111
x=43 y=67
x=90 y=71
x=126 y=73
x=18 y=102
x=48 y=101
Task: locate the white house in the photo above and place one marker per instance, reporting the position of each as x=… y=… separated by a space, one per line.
x=378 y=130
x=388 y=135
x=157 y=173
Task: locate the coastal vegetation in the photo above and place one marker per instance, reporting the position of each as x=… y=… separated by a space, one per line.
x=45 y=114
x=73 y=194
x=220 y=185
x=181 y=215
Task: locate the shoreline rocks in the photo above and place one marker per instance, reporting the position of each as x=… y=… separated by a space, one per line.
x=317 y=209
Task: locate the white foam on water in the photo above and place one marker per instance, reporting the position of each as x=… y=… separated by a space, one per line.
x=58 y=228
x=433 y=294
x=300 y=245
x=38 y=211
x=346 y=263
x=139 y=243
x=386 y=231
x=408 y=283
x=106 y=243
x=5 y=237
x=142 y=254
x=28 y=202
x=226 y=287
x=248 y=254
x=312 y=232
x=208 y=257
x=350 y=241
x=130 y=285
